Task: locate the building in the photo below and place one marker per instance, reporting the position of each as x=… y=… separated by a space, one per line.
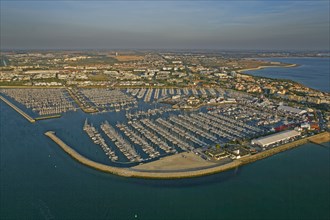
x=291 y=110
x=275 y=138
x=193 y=100
x=305 y=125
x=217 y=153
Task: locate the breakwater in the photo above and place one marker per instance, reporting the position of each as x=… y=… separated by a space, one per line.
x=29 y=118
x=47 y=117
x=322 y=137
x=128 y=172
x=263 y=67
x=153 y=174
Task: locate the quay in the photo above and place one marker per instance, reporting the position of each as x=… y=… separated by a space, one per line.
x=48 y=117
x=80 y=104
x=319 y=138
x=29 y=118
x=137 y=172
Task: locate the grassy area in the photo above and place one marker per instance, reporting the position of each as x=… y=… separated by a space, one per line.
x=98 y=77
x=125 y=58
x=18 y=83
x=94 y=60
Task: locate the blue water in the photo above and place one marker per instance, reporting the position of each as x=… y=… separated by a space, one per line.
x=39 y=181
x=312 y=72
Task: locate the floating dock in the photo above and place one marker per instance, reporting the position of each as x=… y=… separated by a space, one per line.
x=29 y=118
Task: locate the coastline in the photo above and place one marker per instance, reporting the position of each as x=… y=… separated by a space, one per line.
x=153 y=174
x=263 y=67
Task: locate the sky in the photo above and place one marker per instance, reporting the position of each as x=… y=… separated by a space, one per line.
x=263 y=24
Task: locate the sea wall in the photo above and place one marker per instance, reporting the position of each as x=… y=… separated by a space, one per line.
x=29 y=118
x=323 y=137
x=130 y=172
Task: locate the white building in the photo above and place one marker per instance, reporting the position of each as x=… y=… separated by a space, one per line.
x=275 y=138
x=291 y=110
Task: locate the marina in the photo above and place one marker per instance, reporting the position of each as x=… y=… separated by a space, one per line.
x=165 y=110
x=122 y=144
x=97 y=139
x=148 y=94
x=42 y=102
x=221 y=142
x=106 y=100
x=139 y=140
x=150 y=130
x=29 y=118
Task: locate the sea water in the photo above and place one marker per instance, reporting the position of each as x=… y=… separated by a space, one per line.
x=311 y=72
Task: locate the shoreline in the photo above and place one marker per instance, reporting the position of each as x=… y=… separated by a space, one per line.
x=177 y=174
x=264 y=67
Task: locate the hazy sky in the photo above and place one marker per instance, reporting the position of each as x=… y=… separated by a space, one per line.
x=281 y=24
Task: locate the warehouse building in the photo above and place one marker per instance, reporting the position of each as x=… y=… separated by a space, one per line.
x=291 y=110
x=275 y=138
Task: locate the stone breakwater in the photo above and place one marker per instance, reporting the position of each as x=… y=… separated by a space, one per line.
x=285 y=147
x=29 y=118
x=153 y=174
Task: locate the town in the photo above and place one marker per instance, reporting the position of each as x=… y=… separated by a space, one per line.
x=168 y=103
x=150 y=69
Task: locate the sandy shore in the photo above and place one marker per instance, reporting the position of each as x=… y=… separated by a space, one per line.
x=319 y=139
x=171 y=171
x=181 y=161
x=263 y=67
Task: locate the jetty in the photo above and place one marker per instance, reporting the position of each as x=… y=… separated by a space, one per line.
x=29 y=118
x=152 y=173
x=47 y=117
x=82 y=106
